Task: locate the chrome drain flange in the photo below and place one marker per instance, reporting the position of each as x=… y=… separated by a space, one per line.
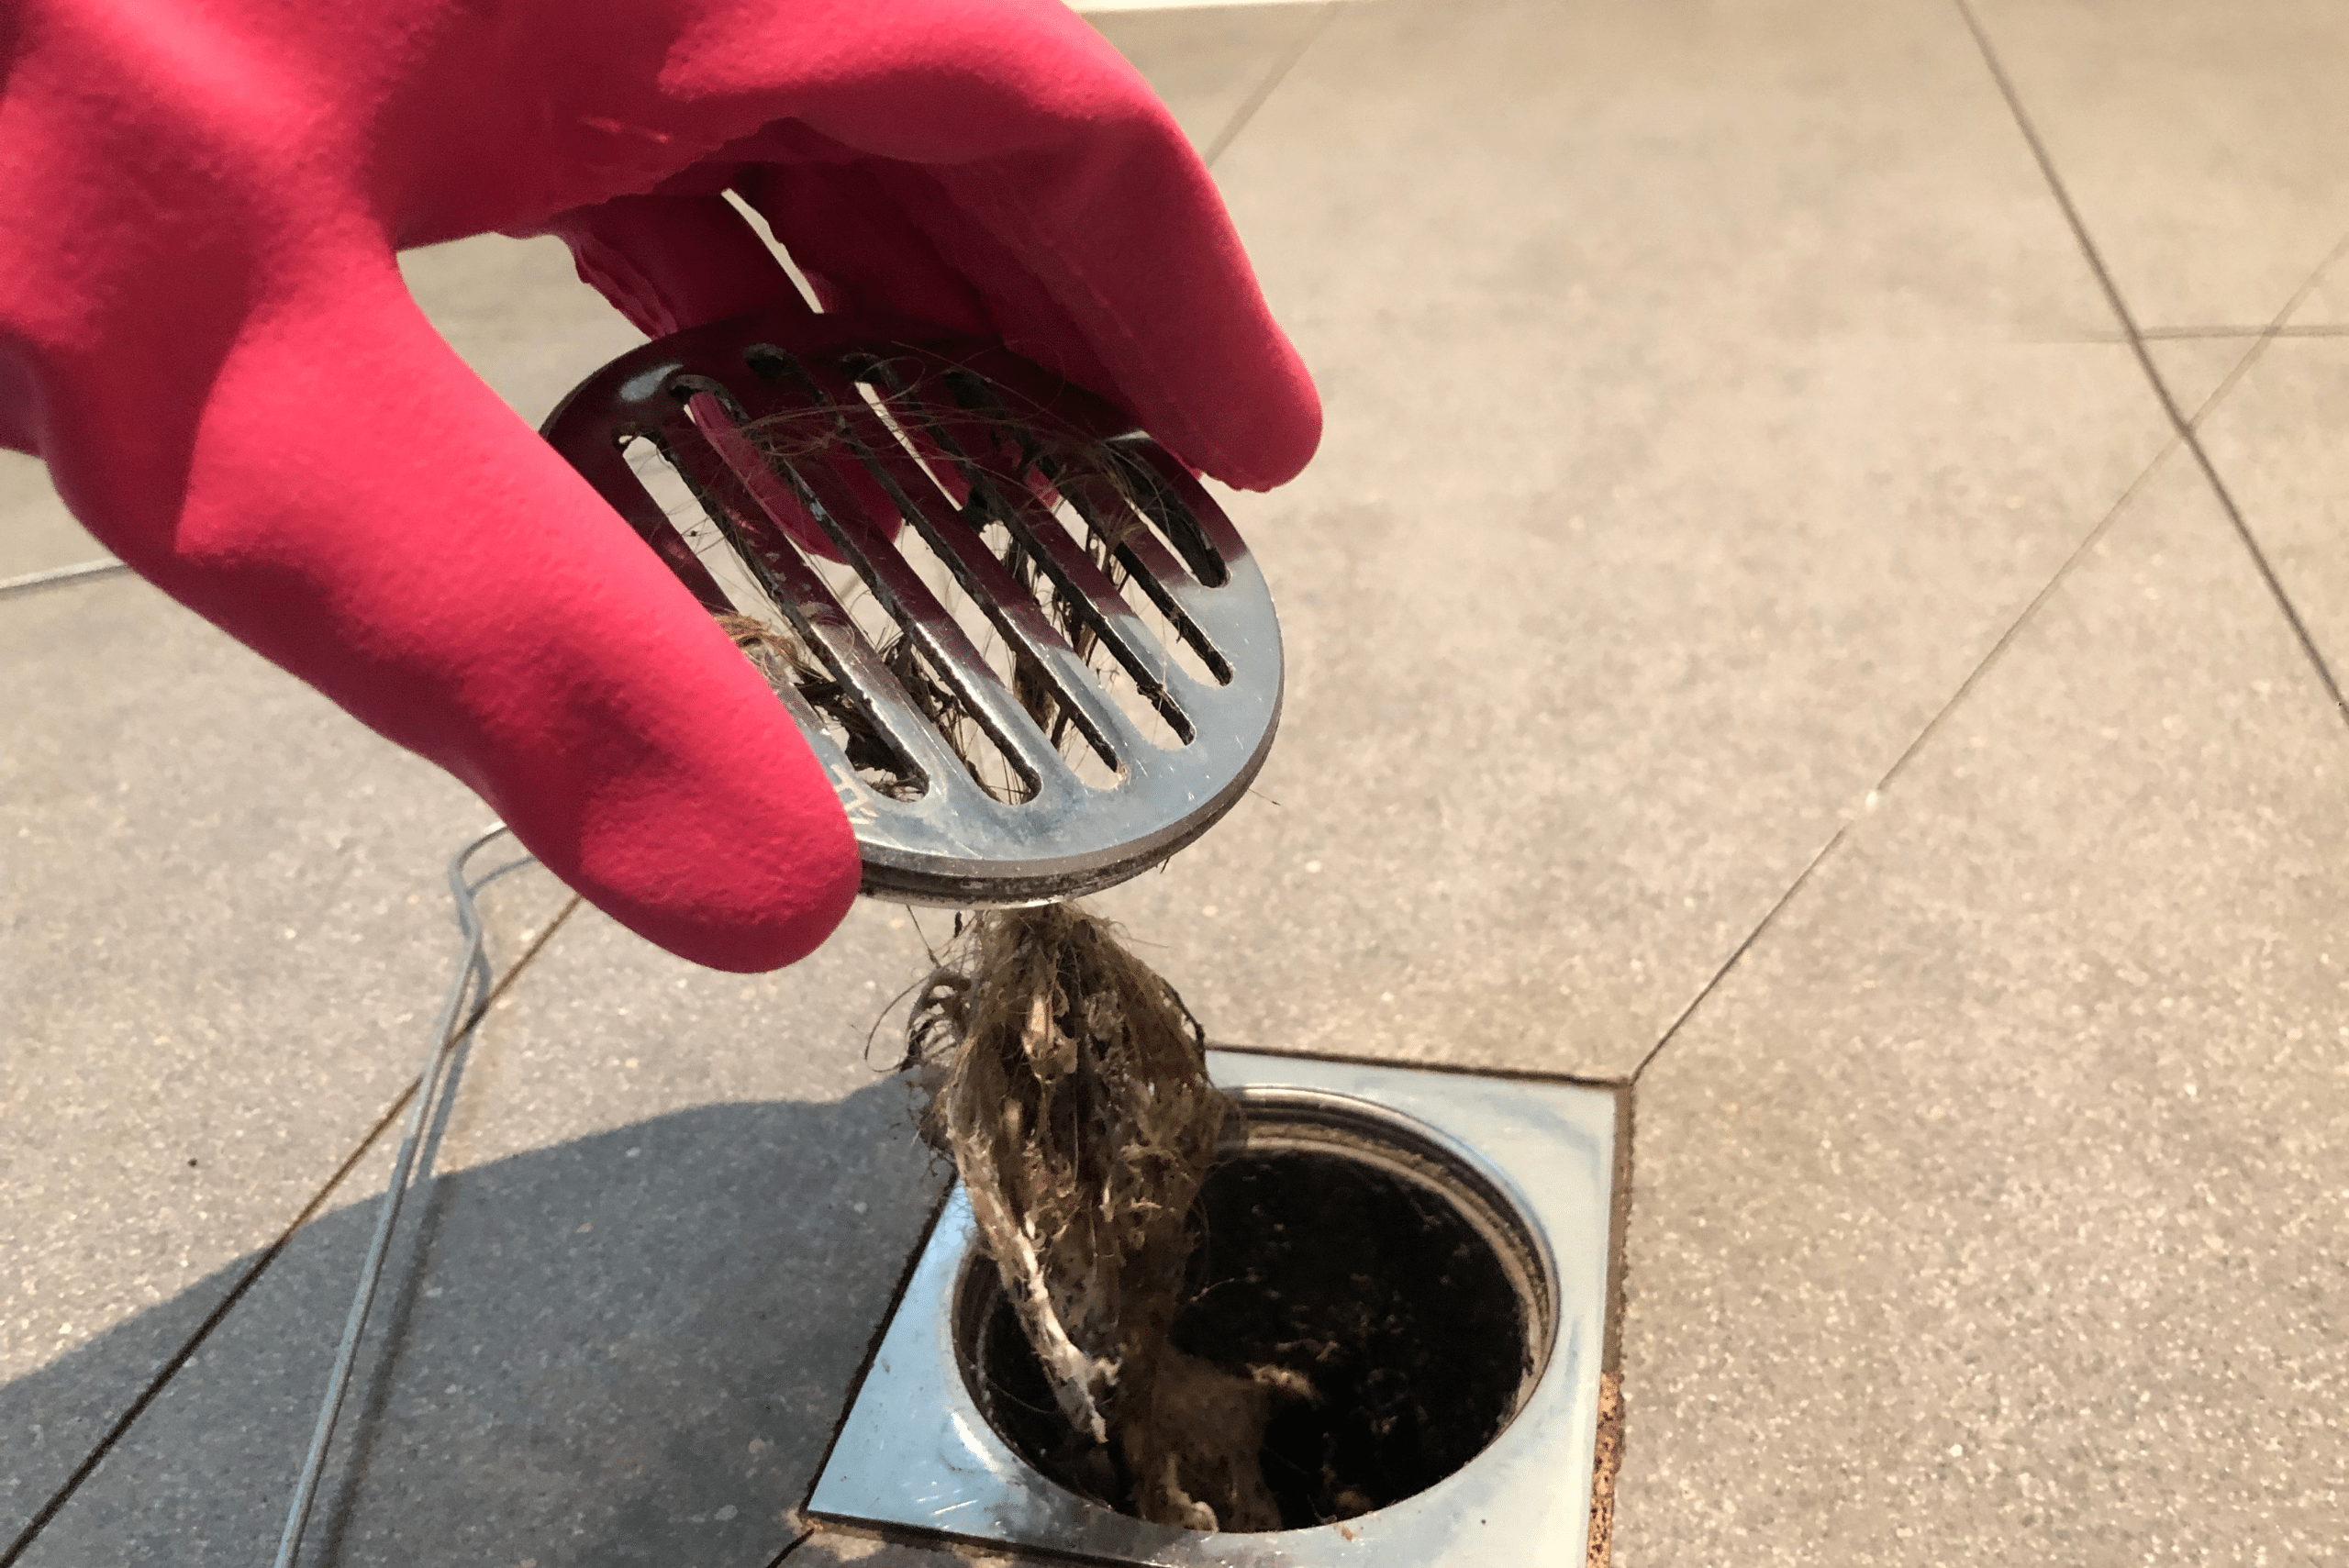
x=1526 y=1167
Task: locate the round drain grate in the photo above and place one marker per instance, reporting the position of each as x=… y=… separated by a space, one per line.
x=1336 y=1242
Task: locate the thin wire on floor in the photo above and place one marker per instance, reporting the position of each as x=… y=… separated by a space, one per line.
x=469 y=994
x=60 y=576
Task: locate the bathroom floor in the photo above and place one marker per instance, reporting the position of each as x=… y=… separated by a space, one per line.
x=1822 y=599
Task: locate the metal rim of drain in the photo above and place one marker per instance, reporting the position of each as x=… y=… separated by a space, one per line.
x=918 y=1453
x=1390 y=1280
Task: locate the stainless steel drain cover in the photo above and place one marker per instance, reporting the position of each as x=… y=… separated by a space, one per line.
x=1532 y=1164
x=1038 y=658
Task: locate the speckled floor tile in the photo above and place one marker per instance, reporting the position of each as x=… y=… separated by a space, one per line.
x=2201 y=371
x=672 y=1208
x=2200 y=139
x=227 y=932
x=1991 y=1210
x=2326 y=306
x=2276 y=443
x=1696 y=423
x=1709 y=387
x=517 y=313
x=37 y=533
x=1208 y=63
x=228 y=921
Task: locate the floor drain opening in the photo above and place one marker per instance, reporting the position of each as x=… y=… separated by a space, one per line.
x=1426 y=1253
x=1386 y=1293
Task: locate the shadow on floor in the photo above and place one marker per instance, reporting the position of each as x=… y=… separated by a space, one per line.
x=627 y=1349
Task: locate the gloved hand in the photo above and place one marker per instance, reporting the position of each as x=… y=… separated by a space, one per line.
x=204 y=332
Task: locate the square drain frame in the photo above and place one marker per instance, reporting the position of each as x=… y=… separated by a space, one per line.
x=915 y=1453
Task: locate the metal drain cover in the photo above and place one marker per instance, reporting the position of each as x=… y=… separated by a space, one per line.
x=918 y=1452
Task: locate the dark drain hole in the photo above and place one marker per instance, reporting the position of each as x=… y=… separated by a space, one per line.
x=1372 y=1285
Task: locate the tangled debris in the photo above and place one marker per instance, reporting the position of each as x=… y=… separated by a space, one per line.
x=1076 y=1104
x=1072 y=1092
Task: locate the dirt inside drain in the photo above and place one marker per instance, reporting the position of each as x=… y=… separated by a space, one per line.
x=1395 y=1318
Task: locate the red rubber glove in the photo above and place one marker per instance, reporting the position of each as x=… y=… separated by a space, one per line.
x=204 y=332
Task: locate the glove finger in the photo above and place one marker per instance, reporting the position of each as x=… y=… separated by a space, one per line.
x=1041 y=176
x=338 y=490
x=859 y=249
x=668 y=262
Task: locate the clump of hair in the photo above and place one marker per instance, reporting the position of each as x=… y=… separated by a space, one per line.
x=786 y=664
x=1077 y=1107
x=1072 y=1083
x=775 y=653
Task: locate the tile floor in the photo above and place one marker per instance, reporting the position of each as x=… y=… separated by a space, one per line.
x=1758 y=631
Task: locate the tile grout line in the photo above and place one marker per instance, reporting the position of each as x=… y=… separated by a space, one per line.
x=864 y=1365
x=1925 y=732
x=195 y=1341
x=1737 y=954
x=1264 y=89
x=2180 y=435
x=114 y=1434
x=2179 y=421
x=2278 y=328
x=2030 y=611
